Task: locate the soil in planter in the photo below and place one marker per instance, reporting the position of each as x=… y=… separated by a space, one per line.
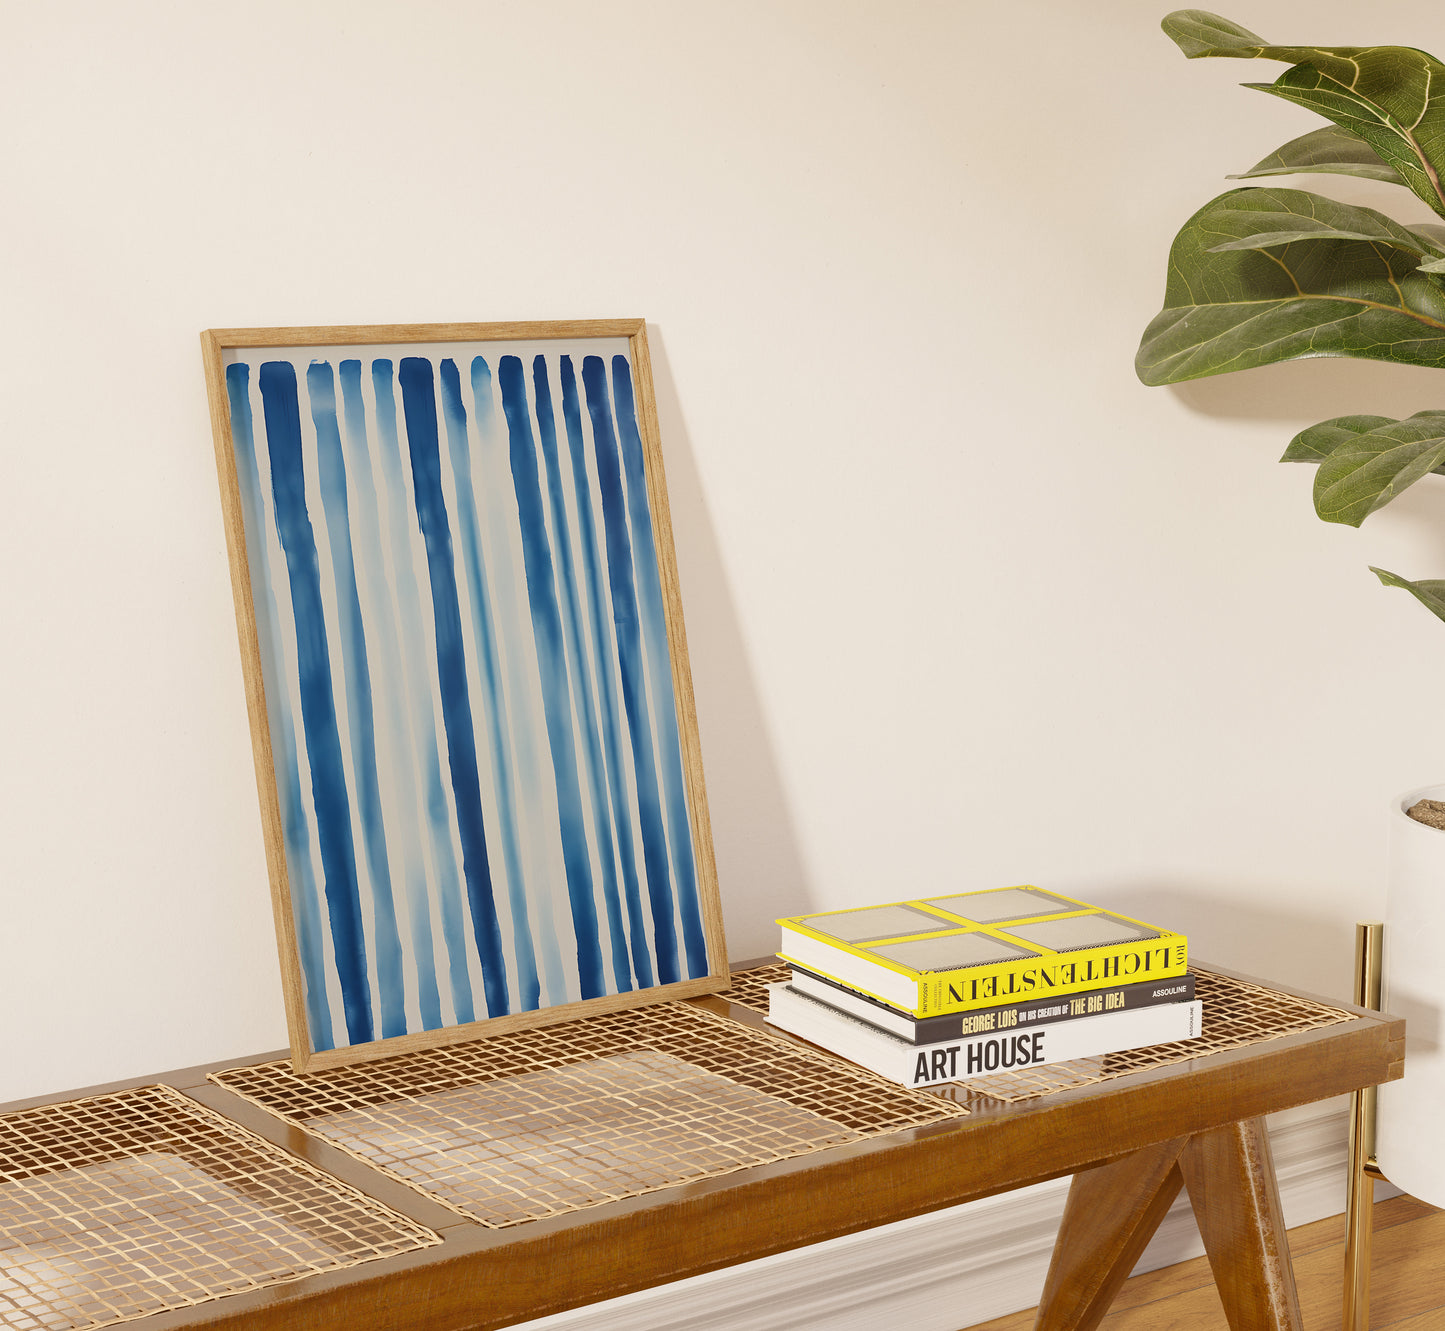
x=1431 y=812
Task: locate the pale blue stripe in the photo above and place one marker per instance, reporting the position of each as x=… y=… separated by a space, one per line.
x=621 y=579
x=417 y=378
x=556 y=695
x=385 y=639
x=529 y=989
x=526 y=764
x=424 y=733
x=611 y=719
x=307 y=913
x=659 y=662
x=577 y=667
x=335 y=507
x=281 y=409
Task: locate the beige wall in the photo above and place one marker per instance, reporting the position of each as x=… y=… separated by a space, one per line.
x=967 y=605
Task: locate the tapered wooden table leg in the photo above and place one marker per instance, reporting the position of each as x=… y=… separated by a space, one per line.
x=1230 y=1177
x=1112 y=1212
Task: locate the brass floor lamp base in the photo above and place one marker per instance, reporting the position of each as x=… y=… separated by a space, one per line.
x=1360 y=1187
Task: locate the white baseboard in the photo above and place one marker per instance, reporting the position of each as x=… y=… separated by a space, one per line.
x=952 y=1268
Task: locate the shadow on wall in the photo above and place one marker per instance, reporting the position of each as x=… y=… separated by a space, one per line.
x=1242 y=932
x=761 y=874
x=1297 y=394
x=1301 y=392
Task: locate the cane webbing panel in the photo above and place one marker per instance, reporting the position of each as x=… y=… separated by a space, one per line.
x=750 y=988
x=1236 y=1013
x=122 y=1205
x=565 y=1138
x=540 y=1122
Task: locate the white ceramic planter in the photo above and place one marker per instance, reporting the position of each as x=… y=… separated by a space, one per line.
x=1411 y=1140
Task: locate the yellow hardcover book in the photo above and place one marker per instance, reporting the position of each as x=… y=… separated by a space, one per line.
x=972 y=950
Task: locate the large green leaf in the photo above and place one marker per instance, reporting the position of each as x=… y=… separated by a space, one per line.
x=1430 y=592
x=1392 y=97
x=1238 y=308
x=1330 y=149
x=1197 y=32
x=1290 y=215
x=1414 y=146
x=1317 y=442
x=1434 y=234
x=1366 y=471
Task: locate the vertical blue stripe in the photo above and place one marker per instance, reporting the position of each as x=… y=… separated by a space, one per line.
x=659 y=660
x=501 y=509
x=288 y=771
x=577 y=665
x=629 y=650
x=556 y=697
x=418 y=398
x=409 y=601
x=602 y=668
x=281 y=408
x=368 y=544
x=331 y=473
x=530 y=995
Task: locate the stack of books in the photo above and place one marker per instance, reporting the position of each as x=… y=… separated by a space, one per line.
x=947 y=988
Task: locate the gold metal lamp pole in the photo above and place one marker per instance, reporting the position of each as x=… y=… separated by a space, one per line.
x=1360 y=1190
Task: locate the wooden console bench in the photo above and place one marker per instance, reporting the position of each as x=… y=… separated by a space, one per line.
x=1131 y=1138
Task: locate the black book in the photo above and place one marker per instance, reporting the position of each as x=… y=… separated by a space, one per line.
x=1006 y=1017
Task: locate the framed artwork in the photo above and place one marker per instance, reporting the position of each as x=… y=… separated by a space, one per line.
x=467 y=677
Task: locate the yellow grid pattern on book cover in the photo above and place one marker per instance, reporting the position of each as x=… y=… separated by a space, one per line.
x=1035 y=971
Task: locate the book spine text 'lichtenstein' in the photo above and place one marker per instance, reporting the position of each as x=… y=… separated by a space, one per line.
x=990 y=984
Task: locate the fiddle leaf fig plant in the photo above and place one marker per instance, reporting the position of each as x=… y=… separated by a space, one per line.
x=1265 y=274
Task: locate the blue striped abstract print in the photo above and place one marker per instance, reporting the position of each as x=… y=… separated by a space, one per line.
x=468 y=680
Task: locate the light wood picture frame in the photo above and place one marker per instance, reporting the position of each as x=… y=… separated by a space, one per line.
x=467 y=678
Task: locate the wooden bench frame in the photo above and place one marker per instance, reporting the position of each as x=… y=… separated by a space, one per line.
x=1130 y=1142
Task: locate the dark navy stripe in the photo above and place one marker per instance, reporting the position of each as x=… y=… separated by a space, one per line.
x=530 y=993
x=659 y=660
x=418 y=399
x=385 y=641
x=602 y=669
x=629 y=651
x=577 y=664
x=288 y=774
x=331 y=473
x=556 y=697
x=409 y=605
x=277 y=380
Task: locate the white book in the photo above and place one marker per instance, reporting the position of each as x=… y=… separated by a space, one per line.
x=974 y=1056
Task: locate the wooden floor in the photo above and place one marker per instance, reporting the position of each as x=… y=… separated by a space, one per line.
x=1407 y=1280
